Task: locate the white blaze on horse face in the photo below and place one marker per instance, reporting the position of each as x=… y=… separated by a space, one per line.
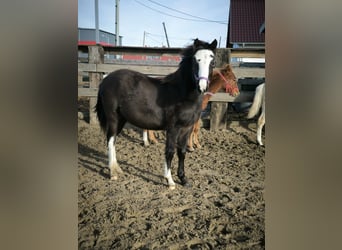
x=203 y=57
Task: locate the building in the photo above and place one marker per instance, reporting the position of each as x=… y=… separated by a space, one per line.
x=246 y=24
x=88 y=37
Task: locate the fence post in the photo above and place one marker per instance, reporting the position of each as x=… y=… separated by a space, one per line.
x=222 y=57
x=96 y=56
x=218 y=112
x=218 y=115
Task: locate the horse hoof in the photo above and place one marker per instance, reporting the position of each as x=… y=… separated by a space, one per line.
x=190 y=149
x=114 y=178
x=172 y=187
x=186 y=183
x=118 y=170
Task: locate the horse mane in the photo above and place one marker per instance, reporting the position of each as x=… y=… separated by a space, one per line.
x=187 y=54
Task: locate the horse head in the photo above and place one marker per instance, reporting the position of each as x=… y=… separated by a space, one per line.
x=229 y=80
x=203 y=62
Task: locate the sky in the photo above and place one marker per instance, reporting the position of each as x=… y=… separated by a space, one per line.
x=139 y=16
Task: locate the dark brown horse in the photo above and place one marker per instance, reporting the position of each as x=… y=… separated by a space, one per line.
x=222 y=79
x=172 y=104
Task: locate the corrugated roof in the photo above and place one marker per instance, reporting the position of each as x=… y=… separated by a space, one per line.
x=245 y=20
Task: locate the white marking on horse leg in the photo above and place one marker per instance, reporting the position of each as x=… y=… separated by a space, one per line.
x=168 y=176
x=112 y=162
x=259 y=135
x=145 y=138
x=261 y=122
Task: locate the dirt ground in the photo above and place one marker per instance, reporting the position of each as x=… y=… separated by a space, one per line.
x=224 y=208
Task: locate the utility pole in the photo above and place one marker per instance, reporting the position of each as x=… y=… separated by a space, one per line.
x=167 y=39
x=144 y=39
x=97 y=32
x=116 y=22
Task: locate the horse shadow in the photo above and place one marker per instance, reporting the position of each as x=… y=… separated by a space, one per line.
x=127 y=134
x=98 y=164
x=130 y=138
x=243 y=124
x=128 y=131
x=143 y=174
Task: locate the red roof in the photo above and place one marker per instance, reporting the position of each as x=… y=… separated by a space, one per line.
x=245 y=19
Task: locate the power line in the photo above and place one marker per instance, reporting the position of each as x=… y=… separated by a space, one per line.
x=187 y=19
x=184 y=13
x=171 y=37
x=157 y=41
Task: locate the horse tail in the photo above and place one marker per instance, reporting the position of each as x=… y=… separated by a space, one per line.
x=101 y=116
x=258 y=99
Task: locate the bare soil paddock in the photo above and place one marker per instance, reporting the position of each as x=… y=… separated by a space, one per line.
x=224 y=209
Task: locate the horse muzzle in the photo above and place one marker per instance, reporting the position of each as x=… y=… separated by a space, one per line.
x=203 y=83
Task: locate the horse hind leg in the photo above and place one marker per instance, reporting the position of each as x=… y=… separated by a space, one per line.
x=112 y=161
x=193 y=138
x=113 y=130
x=261 y=123
x=151 y=137
x=196 y=132
x=148 y=135
x=145 y=138
x=190 y=146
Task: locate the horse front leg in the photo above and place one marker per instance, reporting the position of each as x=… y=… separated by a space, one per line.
x=181 y=151
x=181 y=172
x=169 y=152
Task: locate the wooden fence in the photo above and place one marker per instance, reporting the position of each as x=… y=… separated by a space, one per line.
x=95 y=61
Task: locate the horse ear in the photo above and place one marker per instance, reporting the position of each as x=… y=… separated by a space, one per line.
x=196 y=42
x=213 y=45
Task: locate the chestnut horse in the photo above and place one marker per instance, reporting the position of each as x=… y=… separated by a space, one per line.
x=222 y=79
x=172 y=104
